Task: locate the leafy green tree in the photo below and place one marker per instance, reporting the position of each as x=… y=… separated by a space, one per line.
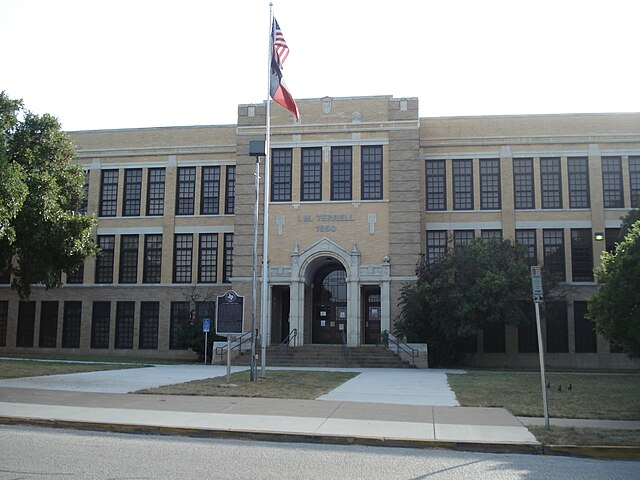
x=627 y=221
x=41 y=231
x=615 y=307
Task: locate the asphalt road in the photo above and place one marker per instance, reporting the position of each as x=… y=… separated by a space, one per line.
x=32 y=453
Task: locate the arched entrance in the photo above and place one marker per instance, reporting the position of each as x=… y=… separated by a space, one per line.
x=329 y=324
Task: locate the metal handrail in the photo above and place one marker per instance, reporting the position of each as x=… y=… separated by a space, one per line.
x=345 y=348
x=389 y=337
x=235 y=344
x=293 y=336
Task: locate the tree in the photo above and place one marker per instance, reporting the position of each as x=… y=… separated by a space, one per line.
x=200 y=304
x=627 y=221
x=41 y=231
x=615 y=307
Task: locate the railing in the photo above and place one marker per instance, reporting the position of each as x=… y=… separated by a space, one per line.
x=284 y=345
x=388 y=340
x=236 y=344
x=345 y=348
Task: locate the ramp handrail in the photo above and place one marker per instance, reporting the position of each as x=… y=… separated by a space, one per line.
x=345 y=348
x=236 y=344
x=284 y=345
x=389 y=338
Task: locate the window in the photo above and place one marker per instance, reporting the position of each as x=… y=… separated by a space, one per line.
x=490 y=184
x=227 y=258
x=179 y=319
x=26 y=323
x=462 y=185
x=551 y=182
x=372 y=173
x=152 y=267
x=230 y=201
x=108 y=193
x=155 y=192
x=71 y=322
x=77 y=276
x=578 y=171
x=553 y=246
x=281 y=175
x=436 y=245
x=634 y=181
x=555 y=314
x=132 y=192
x=611 y=238
x=612 y=182
x=149 y=319
x=523 y=183
x=341 y=173
x=210 y=195
x=208 y=258
x=528 y=330
x=85 y=193
x=435 y=171
x=581 y=255
x=48 y=324
x=186 y=191
x=125 y=314
x=182 y=256
x=494 y=338
x=311 y=186
x=4 y=320
x=528 y=239
x=491 y=235
x=463 y=237
x=584 y=329
x=100 y=324
x=128 y=258
x=104 y=260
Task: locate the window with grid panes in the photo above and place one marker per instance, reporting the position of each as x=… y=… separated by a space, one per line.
x=528 y=239
x=341 y=173
x=463 y=237
x=108 y=193
x=551 y=182
x=179 y=318
x=581 y=255
x=152 y=267
x=71 y=323
x=555 y=317
x=435 y=173
x=227 y=258
x=491 y=234
x=155 y=191
x=578 y=173
x=311 y=175
x=210 y=194
x=612 y=182
x=490 y=184
x=634 y=181
x=4 y=320
x=553 y=246
x=100 y=324
x=125 y=317
x=436 y=245
x=128 y=259
x=230 y=196
x=132 y=192
x=104 y=260
x=77 y=276
x=462 y=171
x=208 y=258
x=26 y=323
x=586 y=340
x=182 y=257
x=611 y=238
x=523 y=183
x=281 y=174
x=48 y=324
x=149 y=320
x=85 y=193
x=186 y=191
x=371 y=172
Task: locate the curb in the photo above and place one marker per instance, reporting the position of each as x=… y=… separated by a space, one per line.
x=600 y=452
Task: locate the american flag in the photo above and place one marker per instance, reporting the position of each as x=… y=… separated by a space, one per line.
x=280 y=48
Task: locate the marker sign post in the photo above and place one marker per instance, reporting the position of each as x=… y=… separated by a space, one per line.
x=206 y=327
x=538 y=298
x=229 y=321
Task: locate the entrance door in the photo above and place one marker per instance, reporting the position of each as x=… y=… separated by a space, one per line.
x=372 y=314
x=330 y=304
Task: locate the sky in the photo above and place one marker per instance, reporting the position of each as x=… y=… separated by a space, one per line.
x=153 y=63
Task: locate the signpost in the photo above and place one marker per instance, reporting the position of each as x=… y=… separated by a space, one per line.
x=538 y=298
x=229 y=321
x=206 y=327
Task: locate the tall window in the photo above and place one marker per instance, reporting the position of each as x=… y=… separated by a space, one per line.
x=528 y=331
x=230 y=200
x=85 y=193
x=132 y=192
x=281 y=174
x=149 y=320
x=634 y=181
x=182 y=256
x=555 y=314
x=186 y=191
x=71 y=323
x=586 y=340
x=104 y=260
x=463 y=237
x=462 y=171
x=77 y=276
x=108 y=193
x=48 y=324
x=436 y=245
x=435 y=172
x=152 y=267
x=128 y=259
x=553 y=246
x=341 y=173
x=210 y=196
x=528 y=239
x=227 y=259
x=179 y=317
x=611 y=238
x=490 y=184
x=208 y=258
x=311 y=185
x=578 y=171
x=523 y=183
x=26 y=323
x=581 y=255
x=612 y=182
x=551 y=182
x=125 y=315
x=100 y=324
x=4 y=320
x=372 y=173
x=155 y=192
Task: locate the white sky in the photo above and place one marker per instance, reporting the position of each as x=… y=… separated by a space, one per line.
x=141 y=63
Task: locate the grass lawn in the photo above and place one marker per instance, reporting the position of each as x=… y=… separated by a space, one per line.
x=34 y=368
x=305 y=385
x=594 y=396
x=586 y=436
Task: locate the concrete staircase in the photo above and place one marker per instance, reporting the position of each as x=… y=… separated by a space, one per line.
x=326 y=356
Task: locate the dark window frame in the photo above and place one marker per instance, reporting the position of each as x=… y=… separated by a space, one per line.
x=210 y=191
x=71 y=324
x=208 y=258
x=341 y=173
x=125 y=325
x=132 y=192
x=227 y=258
x=48 y=335
x=108 y=193
x=528 y=237
x=612 y=183
x=436 y=245
x=149 y=325
x=551 y=182
x=152 y=263
x=281 y=174
x=155 y=191
x=436 y=185
x=586 y=340
x=128 y=271
x=230 y=190
x=371 y=172
x=490 y=184
x=523 y=184
x=186 y=191
x=581 y=255
x=578 y=181
x=100 y=324
x=554 y=252
x=311 y=174
x=462 y=184
x=182 y=257
x=105 y=259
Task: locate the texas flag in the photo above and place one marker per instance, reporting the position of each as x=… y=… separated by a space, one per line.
x=279 y=52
